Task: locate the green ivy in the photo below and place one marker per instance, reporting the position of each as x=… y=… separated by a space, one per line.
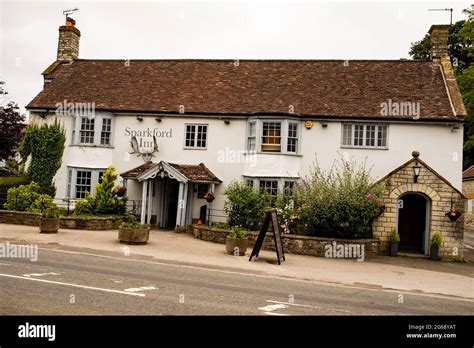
x=45 y=145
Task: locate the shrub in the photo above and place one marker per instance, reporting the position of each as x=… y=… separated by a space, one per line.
x=245 y=205
x=50 y=213
x=436 y=239
x=7 y=183
x=131 y=221
x=394 y=237
x=237 y=232
x=42 y=203
x=342 y=202
x=105 y=202
x=22 y=197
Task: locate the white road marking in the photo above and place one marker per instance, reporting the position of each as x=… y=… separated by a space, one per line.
x=39 y=274
x=319 y=282
x=279 y=314
x=72 y=285
x=271 y=308
x=141 y=289
x=308 y=306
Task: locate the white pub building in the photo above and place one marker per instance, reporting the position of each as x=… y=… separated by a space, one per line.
x=176 y=129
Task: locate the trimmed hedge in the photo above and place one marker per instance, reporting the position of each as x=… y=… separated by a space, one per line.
x=7 y=183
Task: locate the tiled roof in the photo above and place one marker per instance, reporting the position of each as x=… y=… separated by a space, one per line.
x=468 y=173
x=193 y=172
x=318 y=88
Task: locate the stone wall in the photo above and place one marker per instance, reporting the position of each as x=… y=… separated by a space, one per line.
x=293 y=244
x=72 y=222
x=439 y=193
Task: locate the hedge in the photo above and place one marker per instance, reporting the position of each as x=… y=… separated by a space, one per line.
x=8 y=182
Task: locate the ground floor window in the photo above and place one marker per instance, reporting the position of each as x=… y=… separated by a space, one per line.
x=83 y=180
x=273 y=186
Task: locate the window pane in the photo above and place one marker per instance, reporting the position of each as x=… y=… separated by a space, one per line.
x=370 y=135
x=251 y=137
x=382 y=136
x=87 y=131
x=292 y=145
x=83 y=183
x=269 y=186
x=190 y=135
x=347 y=134
x=288 y=188
x=249 y=182
x=201 y=136
x=358 y=135
x=271 y=137
x=106 y=131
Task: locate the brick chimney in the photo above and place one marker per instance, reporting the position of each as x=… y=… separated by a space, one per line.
x=439 y=41
x=68 y=45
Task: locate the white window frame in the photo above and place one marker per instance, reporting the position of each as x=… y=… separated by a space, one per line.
x=364 y=135
x=281 y=181
x=284 y=124
x=76 y=130
x=195 y=147
x=72 y=180
x=252 y=136
x=297 y=138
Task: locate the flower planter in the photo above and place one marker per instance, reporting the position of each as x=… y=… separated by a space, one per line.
x=434 y=253
x=134 y=235
x=393 y=249
x=236 y=246
x=453 y=215
x=49 y=225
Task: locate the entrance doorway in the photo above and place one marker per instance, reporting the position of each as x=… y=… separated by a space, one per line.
x=171 y=189
x=413 y=222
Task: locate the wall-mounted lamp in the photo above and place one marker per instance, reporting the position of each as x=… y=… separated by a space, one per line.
x=140 y=118
x=226 y=121
x=324 y=125
x=158 y=119
x=455 y=127
x=416 y=171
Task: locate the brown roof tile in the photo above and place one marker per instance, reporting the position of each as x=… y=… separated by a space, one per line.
x=196 y=172
x=326 y=88
x=468 y=173
x=135 y=172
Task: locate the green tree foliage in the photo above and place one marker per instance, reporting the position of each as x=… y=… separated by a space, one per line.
x=245 y=206
x=45 y=145
x=461 y=52
x=22 y=197
x=106 y=201
x=7 y=183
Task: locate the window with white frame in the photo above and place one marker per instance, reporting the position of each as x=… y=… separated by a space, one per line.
x=83 y=180
x=97 y=130
x=196 y=136
x=269 y=186
x=368 y=135
x=252 y=136
x=292 y=142
x=288 y=187
x=271 y=137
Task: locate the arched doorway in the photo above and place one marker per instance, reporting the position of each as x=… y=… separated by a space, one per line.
x=413 y=222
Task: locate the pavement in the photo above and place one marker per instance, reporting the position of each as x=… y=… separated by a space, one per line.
x=412 y=276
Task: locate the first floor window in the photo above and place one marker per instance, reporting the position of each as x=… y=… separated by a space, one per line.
x=369 y=135
x=87 y=130
x=269 y=186
x=252 y=136
x=196 y=136
x=292 y=144
x=271 y=137
x=97 y=130
x=106 y=131
x=83 y=183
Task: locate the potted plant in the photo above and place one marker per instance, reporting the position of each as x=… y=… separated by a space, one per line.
x=394 y=239
x=453 y=214
x=435 y=243
x=209 y=196
x=236 y=242
x=133 y=232
x=49 y=221
x=120 y=191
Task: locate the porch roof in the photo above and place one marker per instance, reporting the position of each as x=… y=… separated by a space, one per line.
x=197 y=173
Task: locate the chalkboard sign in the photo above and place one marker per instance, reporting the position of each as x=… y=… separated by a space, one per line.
x=270 y=217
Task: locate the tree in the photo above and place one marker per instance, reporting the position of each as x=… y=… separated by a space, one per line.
x=461 y=52
x=45 y=145
x=11 y=126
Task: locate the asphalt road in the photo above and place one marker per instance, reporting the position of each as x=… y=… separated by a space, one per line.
x=65 y=283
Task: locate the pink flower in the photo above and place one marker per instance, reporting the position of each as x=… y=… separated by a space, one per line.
x=370 y=196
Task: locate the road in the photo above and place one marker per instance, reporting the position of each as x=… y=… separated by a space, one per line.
x=66 y=283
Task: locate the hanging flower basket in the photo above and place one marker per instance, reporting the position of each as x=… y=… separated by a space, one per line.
x=453 y=214
x=209 y=196
x=120 y=191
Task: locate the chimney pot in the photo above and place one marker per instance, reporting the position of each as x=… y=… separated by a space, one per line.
x=68 y=44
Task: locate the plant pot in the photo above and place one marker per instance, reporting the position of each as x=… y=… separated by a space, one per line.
x=236 y=246
x=49 y=225
x=134 y=235
x=120 y=194
x=393 y=249
x=434 y=253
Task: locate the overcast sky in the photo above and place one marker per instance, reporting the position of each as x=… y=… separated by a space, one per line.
x=194 y=29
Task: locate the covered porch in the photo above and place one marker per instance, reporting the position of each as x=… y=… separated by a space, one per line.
x=167 y=190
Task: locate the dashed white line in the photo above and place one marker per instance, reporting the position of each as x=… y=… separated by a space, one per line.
x=72 y=285
x=141 y=289
x=39 y=274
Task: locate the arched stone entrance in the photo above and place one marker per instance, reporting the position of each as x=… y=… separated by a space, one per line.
x=413 y=222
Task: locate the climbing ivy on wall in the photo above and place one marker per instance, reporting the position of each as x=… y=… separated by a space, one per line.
x=45 y=144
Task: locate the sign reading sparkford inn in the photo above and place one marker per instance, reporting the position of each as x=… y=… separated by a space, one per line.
x=144 y=142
